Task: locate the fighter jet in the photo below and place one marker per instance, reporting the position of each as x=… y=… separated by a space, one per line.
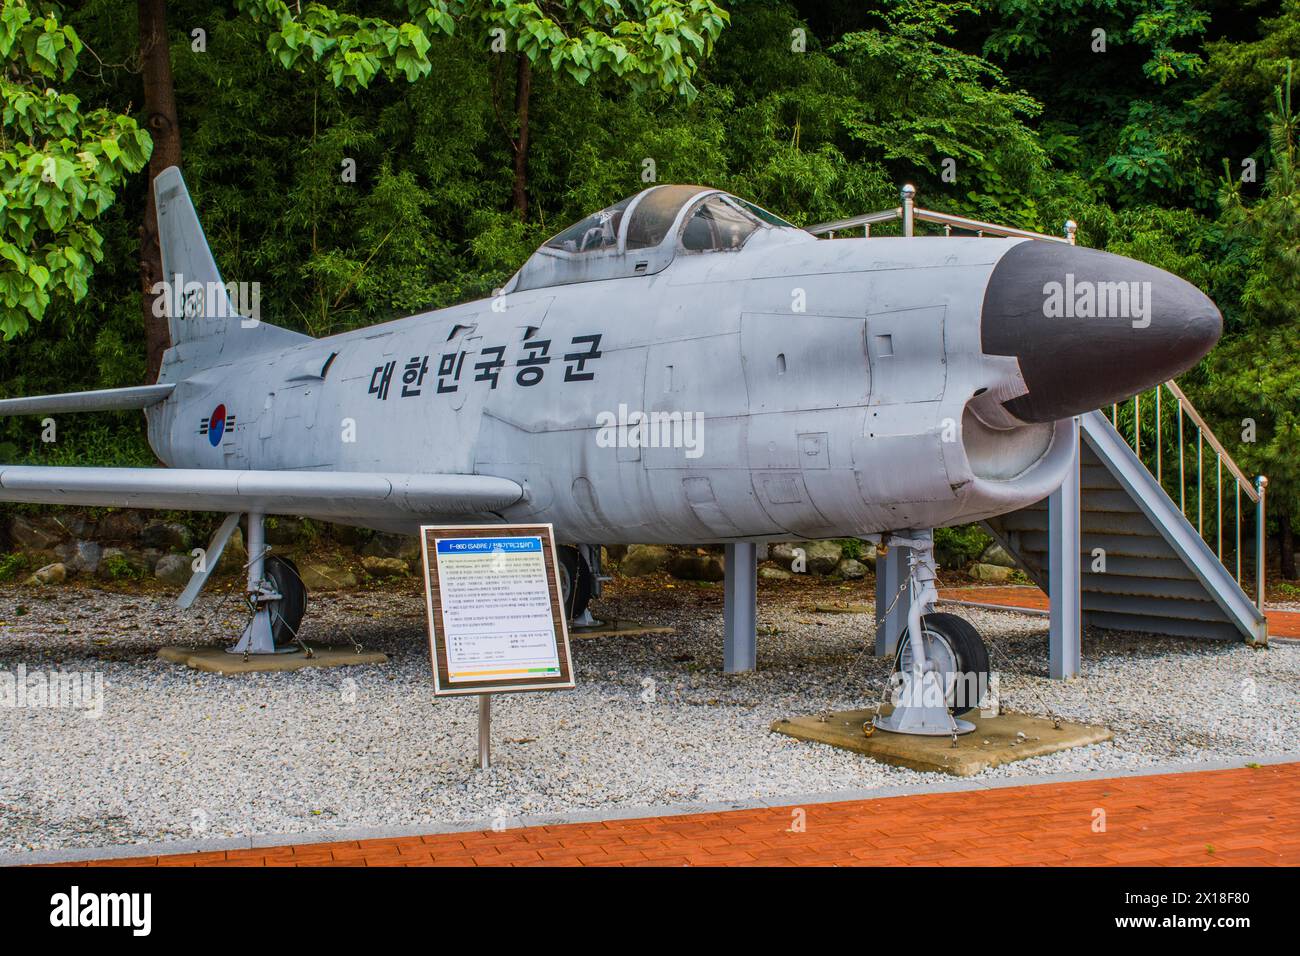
x=680 y=366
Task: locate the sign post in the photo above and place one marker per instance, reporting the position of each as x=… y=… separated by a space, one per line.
x=484 y=731
x=496 y=618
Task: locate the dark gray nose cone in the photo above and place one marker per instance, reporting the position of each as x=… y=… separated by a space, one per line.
x=1091 y=328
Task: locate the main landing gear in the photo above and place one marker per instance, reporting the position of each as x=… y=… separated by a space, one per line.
x=577 y=584
x=276 y=596
x=944 y=674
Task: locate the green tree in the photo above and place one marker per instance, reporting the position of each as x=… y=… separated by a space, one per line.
x=61 y=167
x=1252 y=374
x=646 y=44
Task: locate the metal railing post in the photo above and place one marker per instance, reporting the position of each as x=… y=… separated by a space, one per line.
x=1261 y=483
x=908 y=195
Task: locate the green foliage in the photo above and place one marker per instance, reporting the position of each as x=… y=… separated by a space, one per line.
x=960 y=545
x=646 y=44
x=61 y=168
x=116 y=567
x=1247 y=376
x=12 y=566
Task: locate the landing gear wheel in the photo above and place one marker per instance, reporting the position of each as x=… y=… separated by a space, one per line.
x=955 y=647
x=286 y=613
x=575 y=582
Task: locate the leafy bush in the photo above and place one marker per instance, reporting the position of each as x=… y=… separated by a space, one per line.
x=12 y=565
x=118 y=568
x=958 y=547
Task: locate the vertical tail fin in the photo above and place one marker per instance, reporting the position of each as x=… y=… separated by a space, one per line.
x=210 y=321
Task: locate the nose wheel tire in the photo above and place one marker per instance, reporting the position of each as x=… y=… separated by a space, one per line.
x=953 y=645
x=286 y=613
x=575 y=581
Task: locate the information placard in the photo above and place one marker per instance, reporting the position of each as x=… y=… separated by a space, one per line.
x=495 y=617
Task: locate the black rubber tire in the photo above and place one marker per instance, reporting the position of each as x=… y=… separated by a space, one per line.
x=575 y=581
x=286 y=613
x=967 y=646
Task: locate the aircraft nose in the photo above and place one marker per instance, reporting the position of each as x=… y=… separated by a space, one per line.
x=1090 y=328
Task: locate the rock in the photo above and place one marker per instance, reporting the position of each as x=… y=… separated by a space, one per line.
x=642 y=559
x=385 y=545
x=166 y=536
x=34 y=534
x=235 y=555
x=819 y=557
x=323 y=577
x=120 y=526
x=696 y=567
x=990 y=573
x=173 y=569
x=823 y=556
x=851 y=569
x=385 y=567
x=85 y=557
x=996 y=554
x=50 y=574
x=769 y=573
x=283 y=531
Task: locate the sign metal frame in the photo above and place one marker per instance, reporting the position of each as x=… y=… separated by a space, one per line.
x=442 y=684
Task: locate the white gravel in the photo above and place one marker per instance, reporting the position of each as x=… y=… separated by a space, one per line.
x=179 y=754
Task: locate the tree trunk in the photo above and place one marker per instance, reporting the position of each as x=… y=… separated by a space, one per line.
x=160 y=118
x=523 y=90
x=1286 y=540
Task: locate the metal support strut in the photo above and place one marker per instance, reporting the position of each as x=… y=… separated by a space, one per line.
x=258 y=636
x=921 y=704
x=740 y=607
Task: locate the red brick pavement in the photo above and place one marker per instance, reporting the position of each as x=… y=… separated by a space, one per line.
x=1244 y=817
x=1280 y=623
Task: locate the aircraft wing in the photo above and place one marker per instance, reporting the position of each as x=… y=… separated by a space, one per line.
x=316 y=493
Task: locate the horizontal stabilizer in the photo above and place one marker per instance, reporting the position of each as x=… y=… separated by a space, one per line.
x=102 y=400
x=324 y=494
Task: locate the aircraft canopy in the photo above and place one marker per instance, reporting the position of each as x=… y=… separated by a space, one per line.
x=642 y=234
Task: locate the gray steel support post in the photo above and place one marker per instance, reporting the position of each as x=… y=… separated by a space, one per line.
x=1064 y=576
x=891 y=574
x=740 y=615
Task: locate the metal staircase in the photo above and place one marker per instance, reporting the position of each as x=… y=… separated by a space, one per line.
x=1145 y=562
x=1144 y=565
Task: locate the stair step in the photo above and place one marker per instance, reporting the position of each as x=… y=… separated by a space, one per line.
x=1214 y=630
x=1176 y=608
x=1129 y=545
x=1145 y=586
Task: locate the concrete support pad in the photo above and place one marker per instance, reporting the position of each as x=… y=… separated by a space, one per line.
x=618 y=629
x=215 y=660
x=995 y=740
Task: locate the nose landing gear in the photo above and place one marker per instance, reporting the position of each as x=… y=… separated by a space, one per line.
x=943 y=674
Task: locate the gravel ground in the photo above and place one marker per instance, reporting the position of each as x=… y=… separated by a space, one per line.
x=179 y=754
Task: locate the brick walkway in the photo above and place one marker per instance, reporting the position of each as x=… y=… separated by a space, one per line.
x=1280 y=623
x=1240 y=817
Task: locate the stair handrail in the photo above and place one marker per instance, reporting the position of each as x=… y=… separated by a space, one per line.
x=1255 y=490
x=908 y=212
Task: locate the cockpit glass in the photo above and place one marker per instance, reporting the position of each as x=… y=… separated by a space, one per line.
x=717 y=226
x=768 y=217
x=655 y=214
x=597 y=231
